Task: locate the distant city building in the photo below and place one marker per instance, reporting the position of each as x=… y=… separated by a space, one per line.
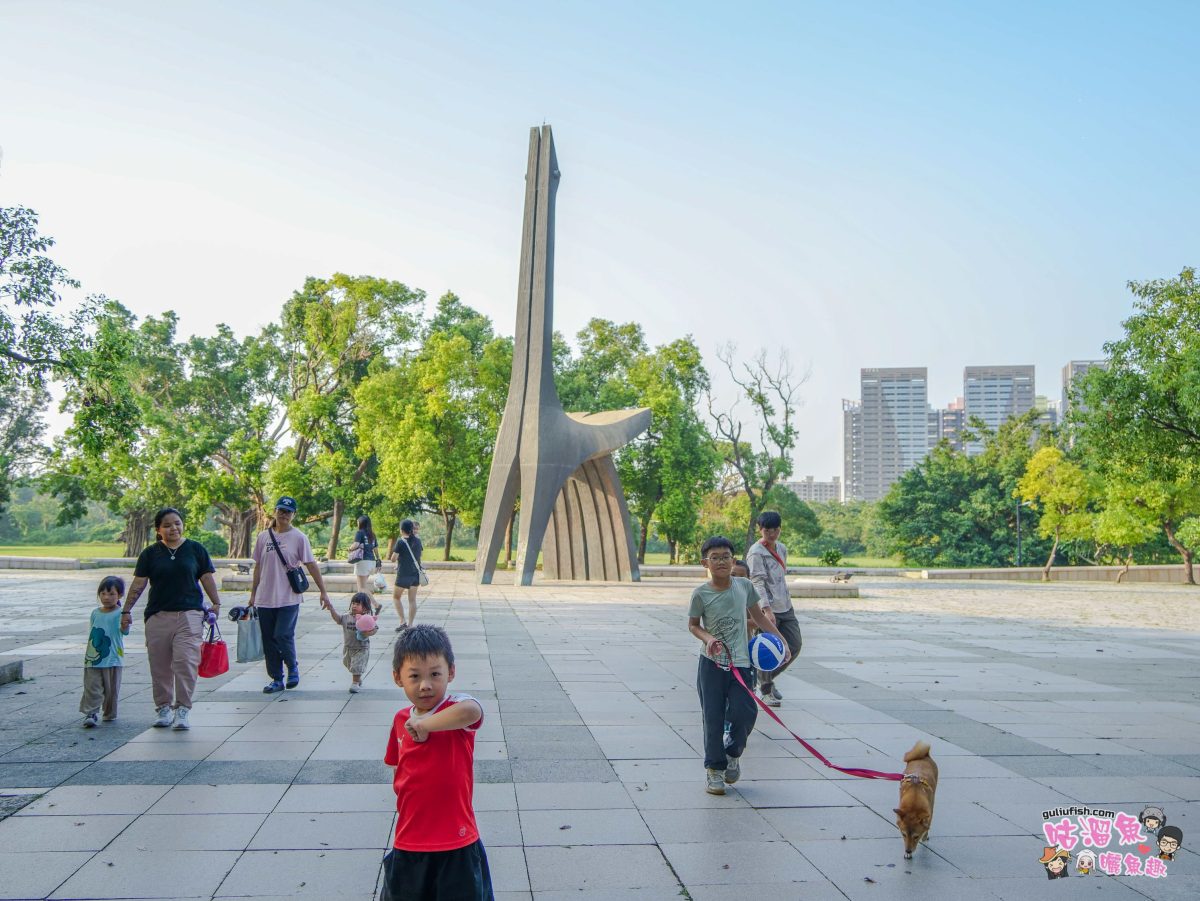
x=951 y=422
x=809 y=489
x=995 y=394
x=852 y=473
x=894 y=427
x=1072 y=371
x=1048 y=416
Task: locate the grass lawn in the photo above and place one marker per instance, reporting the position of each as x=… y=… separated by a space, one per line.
x=81 y=550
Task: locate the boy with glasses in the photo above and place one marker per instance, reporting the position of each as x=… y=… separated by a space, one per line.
x=717 y=616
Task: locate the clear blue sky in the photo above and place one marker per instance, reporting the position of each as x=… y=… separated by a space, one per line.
x=867 y=184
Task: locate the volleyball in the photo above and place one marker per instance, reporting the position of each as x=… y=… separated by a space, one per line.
x=766 y=652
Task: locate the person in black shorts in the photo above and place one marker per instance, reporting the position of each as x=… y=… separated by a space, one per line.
x=407 y=555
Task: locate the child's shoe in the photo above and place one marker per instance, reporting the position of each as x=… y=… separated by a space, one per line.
x=355 y=688
x=90 y=721
x=110 y=719
x=733 y=770
x=715 y=782
x=163 y=717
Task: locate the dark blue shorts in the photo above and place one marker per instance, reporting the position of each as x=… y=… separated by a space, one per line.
x=458 y=875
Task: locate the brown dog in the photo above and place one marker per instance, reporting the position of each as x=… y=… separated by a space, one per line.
x=915 y=813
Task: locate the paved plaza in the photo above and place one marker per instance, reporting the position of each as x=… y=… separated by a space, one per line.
x=589 y=774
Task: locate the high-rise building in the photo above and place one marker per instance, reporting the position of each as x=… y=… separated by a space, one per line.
x=809 y=489
x=951 y=422
x=995 y=394
x=1070 y=373
x=851 y=450
x=894 y=428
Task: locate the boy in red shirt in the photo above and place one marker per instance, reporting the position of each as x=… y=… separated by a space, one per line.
x=437 y=852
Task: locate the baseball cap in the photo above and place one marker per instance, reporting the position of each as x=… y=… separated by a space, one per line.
x=286 y=503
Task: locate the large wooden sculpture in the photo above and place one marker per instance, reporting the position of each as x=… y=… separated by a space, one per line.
x=560 y=464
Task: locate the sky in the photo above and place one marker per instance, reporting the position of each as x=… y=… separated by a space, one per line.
x=854 y=185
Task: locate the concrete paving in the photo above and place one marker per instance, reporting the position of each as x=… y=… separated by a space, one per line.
x=588 y=766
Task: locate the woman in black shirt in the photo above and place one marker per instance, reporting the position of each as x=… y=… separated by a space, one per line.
x=364 y=539
x=407 y=554
x=176 y=568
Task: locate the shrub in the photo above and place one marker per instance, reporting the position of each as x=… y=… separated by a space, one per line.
x=215 y=544
x=831 y=557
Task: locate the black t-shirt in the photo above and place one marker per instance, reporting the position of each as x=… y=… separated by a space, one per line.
x=368 y=546
x=174 y=577
x=404 y=560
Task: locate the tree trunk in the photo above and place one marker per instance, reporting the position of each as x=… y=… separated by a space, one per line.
x=674 y=546
x=242 y=527
x=449 y=519
x=138 y=526
x=339 y=506
x=508 y=534
x=1185 y=553
x=645 y=527
x=1050 y=559
x=1128 y=563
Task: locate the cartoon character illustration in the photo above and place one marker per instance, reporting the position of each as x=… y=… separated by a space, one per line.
x=1170 y=839
x=99 y=646
x=1153 y=819
x=1055 y=859
x=1085 y=862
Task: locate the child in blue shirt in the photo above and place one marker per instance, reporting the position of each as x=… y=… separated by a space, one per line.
x=105 y=656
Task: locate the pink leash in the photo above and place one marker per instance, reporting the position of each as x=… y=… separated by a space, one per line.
x=849 y=771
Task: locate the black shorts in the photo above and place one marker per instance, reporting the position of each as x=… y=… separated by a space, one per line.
x=458 y=875
x=407 y=581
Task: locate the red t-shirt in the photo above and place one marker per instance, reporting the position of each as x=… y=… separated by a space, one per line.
x=434 y=783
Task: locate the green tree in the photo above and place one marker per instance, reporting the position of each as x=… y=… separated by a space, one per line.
x=1060 y=489
x=22 y=428
x=1124 y=520
x=955 y=510
x=772 y=390
x=334 y=333
x=432 y=420
x=1140 y=415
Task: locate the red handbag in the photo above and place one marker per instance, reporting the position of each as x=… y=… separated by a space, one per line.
x=214 y=654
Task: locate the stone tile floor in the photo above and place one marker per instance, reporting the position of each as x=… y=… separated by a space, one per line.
x=589 y=774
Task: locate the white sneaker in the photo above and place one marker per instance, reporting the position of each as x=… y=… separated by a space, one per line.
x=162 y=718
x=181 y=719
x=714 y=782
x=770 y=700
x=90 y=721
x=733 y=770
x=355 y=688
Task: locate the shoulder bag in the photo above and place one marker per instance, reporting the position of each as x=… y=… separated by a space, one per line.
x=295 y=574
x=422 y=577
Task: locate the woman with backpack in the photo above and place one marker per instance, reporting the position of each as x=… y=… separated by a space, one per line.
x=364 y=554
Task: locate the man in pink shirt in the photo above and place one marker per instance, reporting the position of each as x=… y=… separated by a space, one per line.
x=277 y=550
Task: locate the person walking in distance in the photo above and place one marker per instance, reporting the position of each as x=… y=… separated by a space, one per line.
x=407 y=556
x=767 y=559
x=279 y=548
x=369 y=563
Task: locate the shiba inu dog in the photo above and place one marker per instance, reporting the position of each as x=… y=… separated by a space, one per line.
x=915 y=813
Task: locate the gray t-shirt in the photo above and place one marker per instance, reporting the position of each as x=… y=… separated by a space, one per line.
x=723 y=613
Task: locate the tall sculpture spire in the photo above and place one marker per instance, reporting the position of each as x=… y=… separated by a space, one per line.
x=573 y=510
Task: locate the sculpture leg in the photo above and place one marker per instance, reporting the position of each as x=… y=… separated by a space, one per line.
x=497 y=508
x=539 y=491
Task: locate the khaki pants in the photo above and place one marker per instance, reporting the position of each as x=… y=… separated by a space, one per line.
x=173 y=646
x=101 y=684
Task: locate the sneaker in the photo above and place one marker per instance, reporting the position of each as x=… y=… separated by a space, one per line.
x=273 y=687
x=769 y=699
x=402 y=627
x=733 y=770
x=181 y=719
x=355 y=688
x=293 y=679
x=163 y=717
x=715 y=784
x=110 y=719
x=775 y=693
x=91 y=721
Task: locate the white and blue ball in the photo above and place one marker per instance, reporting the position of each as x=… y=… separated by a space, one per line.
x=766 y=652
